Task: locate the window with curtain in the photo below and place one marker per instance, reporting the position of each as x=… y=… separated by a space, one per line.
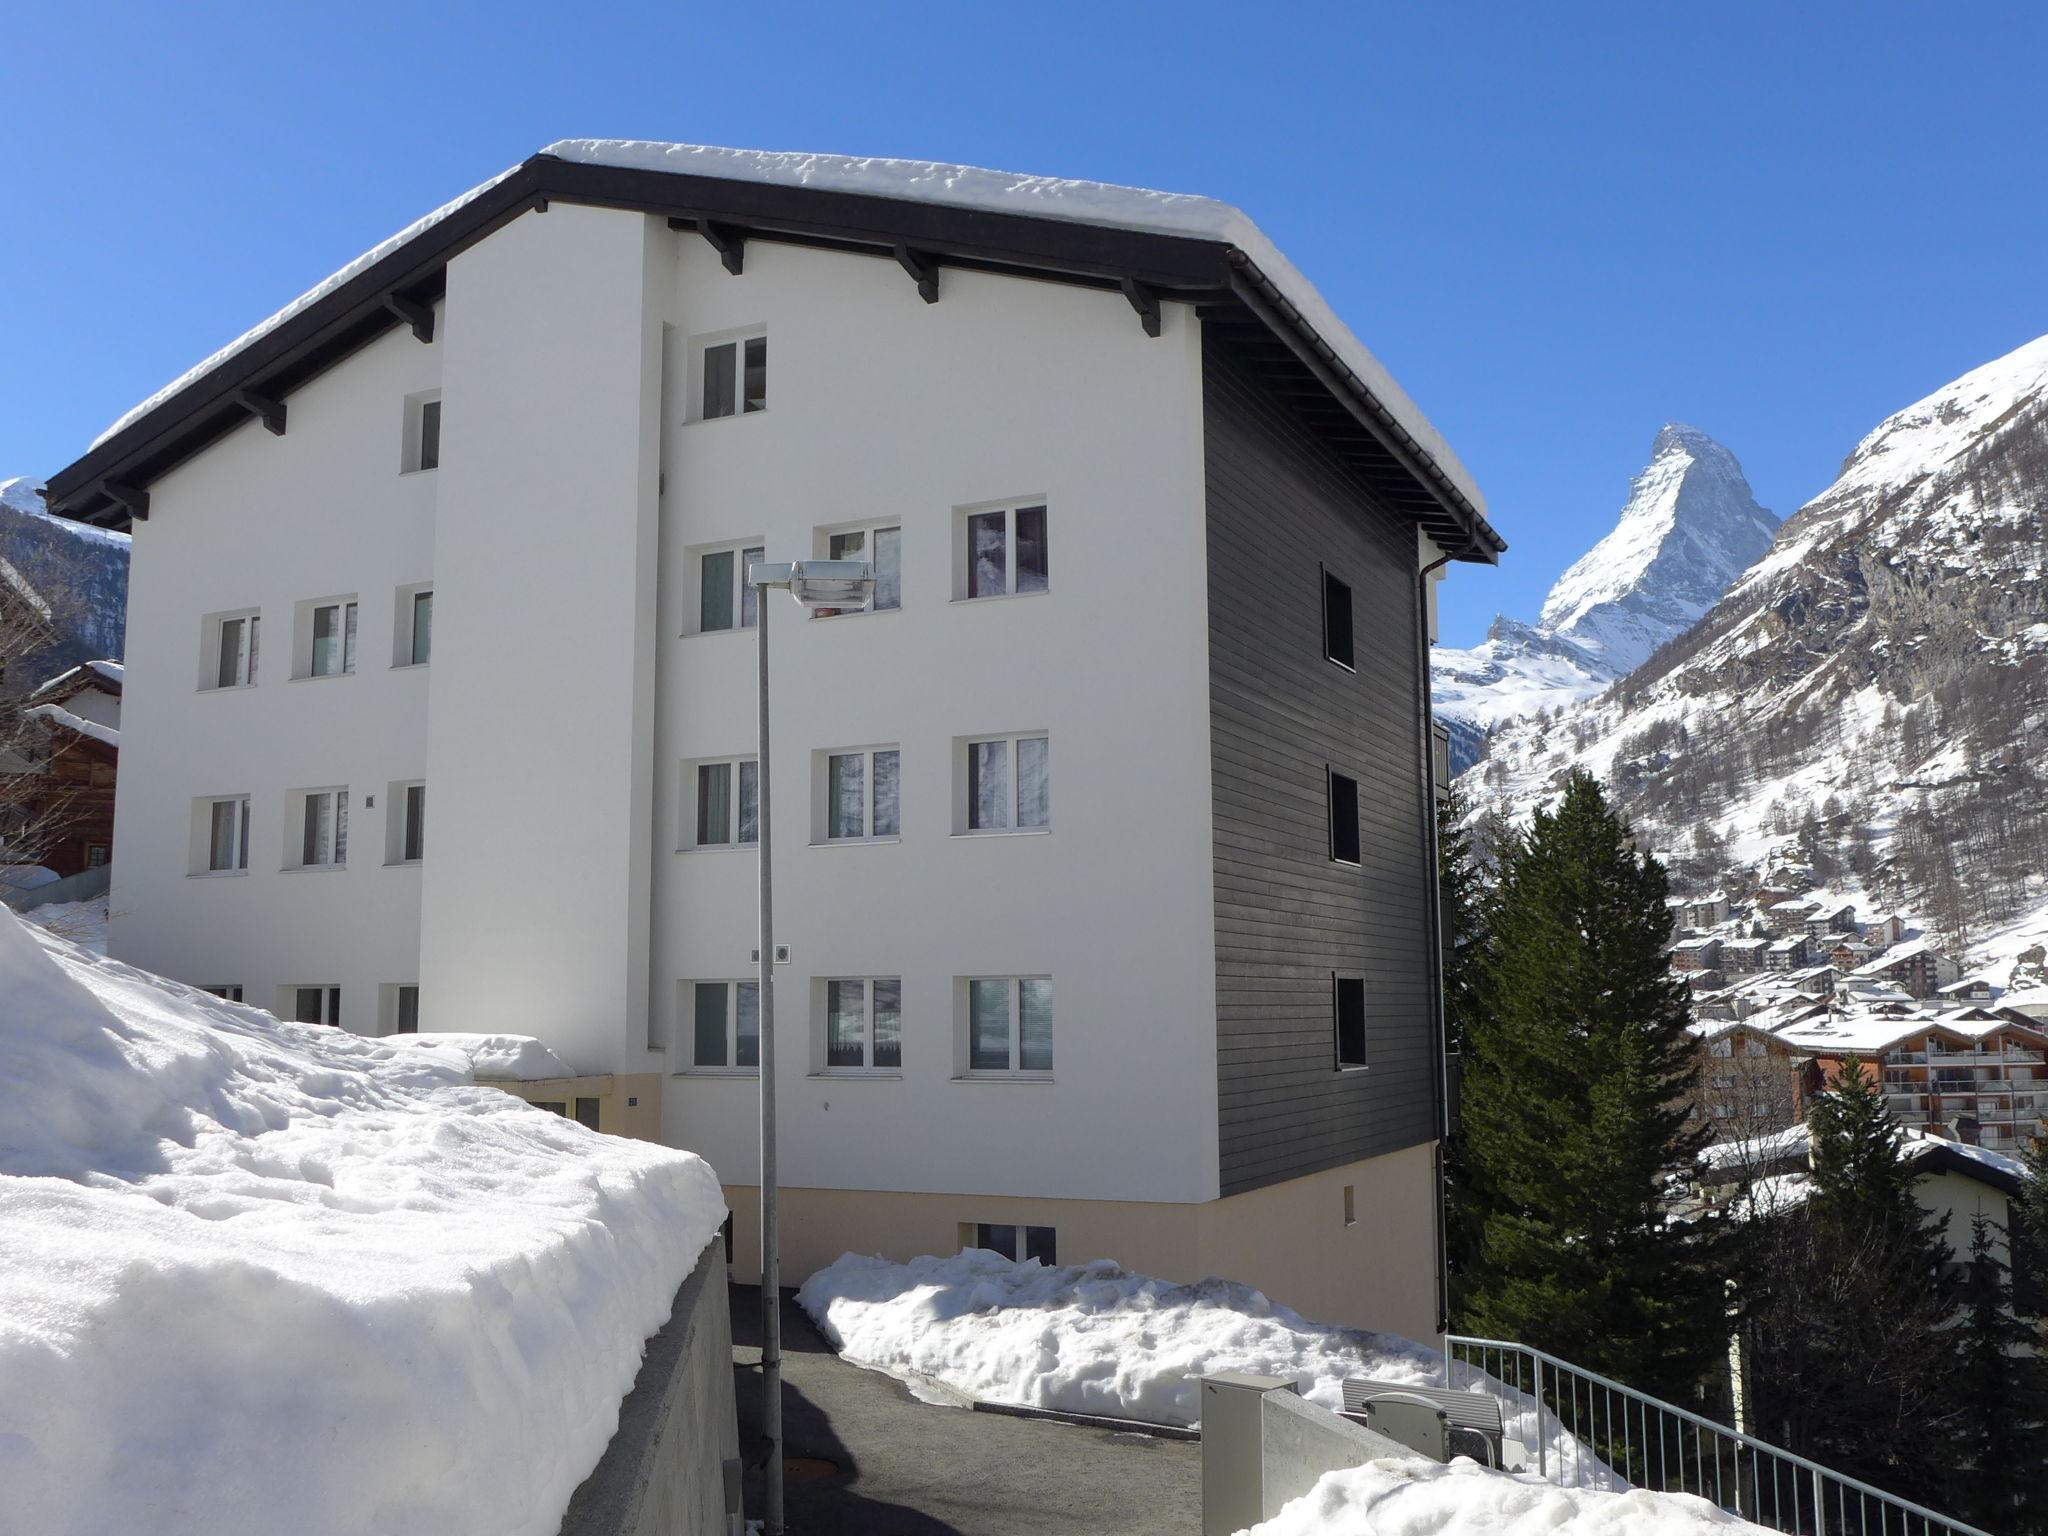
x=1009 y=783
x=1003 y=552
x=323 y=828
x=234 y=651
x=333 y=651
x=864 y=1024
x=863 y=794
x=724 y=600
x=726 y=802
x=227 y=843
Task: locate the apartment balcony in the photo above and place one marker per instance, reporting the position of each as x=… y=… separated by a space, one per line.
x=2015 y=1056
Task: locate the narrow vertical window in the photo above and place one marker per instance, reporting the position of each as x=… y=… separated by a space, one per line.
x=846 y=1024
x=888 y=1024
x=749 y=776
x=714 y=803
x=430 y=434
x=1033 y=570
x=888 y=794
x=228 y=835
x=1349 y=1006
x=988 y=785
x=422 y=627
x=324 y=828
x=750 y=595
x=415 y=822
x=1034 y=781
x=847 y=816
x=710 y=1017
x=987 y=555
x=1034 y=1024
x=747 y=1024
x=1336 y=620
x=719 y=381
x=334 y=640
x=988 y=1004
x=1344 y=842
x=718 y=590
x=754 y=374
x=408 y=1010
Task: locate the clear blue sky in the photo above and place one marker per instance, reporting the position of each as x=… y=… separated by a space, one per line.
x=1559 y=225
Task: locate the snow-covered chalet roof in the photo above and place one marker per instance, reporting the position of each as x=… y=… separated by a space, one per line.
x=108 y=673
x=860 y=202
x=57 y=714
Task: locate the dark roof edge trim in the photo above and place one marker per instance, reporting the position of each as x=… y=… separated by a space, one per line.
x=1483 y=544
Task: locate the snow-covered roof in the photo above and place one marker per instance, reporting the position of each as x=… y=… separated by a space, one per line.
x=106 y=671
x=57 y=714
x=1133 y=209
x=1895 y=954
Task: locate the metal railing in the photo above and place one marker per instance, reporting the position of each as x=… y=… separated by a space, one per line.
x=1586 y=1431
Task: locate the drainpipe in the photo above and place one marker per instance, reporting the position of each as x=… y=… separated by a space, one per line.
x=1435 y=904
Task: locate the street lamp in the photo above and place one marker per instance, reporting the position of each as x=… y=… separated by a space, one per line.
x=815 y=584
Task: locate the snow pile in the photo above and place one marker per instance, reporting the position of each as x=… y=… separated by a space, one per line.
x=1413 y=1497
x=84 y=923
x=518 y=1058
x=258 y=1276
x=1087 y=1338
x=57 y=714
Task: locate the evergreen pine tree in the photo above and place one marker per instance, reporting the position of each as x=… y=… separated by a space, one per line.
x=2002 y=1407
x=1853 y=1357
x=1580 y=1068
x=1462 y=884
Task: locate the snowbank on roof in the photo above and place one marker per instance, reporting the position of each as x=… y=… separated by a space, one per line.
x=1045 y=197
x=521 y=1058
x=258 y=1276
x=1413 y=1497
x=57 y=714
x=957 y=186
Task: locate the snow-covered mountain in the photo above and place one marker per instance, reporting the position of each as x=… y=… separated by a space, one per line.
x=78 y=577
x=1867 y=703
x=1690 y=526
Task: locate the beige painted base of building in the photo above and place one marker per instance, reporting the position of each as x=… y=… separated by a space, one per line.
x=1292 y=1241
x=628 y=1103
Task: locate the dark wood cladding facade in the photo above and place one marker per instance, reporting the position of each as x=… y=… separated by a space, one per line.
x=1289 y=918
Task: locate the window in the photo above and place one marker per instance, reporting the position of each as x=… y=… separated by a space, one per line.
x=405 y=827
x=1721 y=1048
x=881 y=547
x=722 y=803
x=733 y=378
x=1009 y=1024
x=1336 y=619
x=422 y=447
x=96 y=855
x=1006 y=783
x=315 y=1004
x=227 y=991
x=864 y=1024
x=412 y=644
x=1755 y=1048
x=318 y=833
x=230 y=650
x=327 y=637
x=724 y=599
x=1001 y=552
x=1013 y=1242
x=1343 y=818
x=725 y=1024
x=405 y=1008
x=1350 y=1205
x=1348 y=1003
x=227 y=835
x=586 y=1113
x=862 y=795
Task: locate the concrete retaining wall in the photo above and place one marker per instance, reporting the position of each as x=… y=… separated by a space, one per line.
x=673 y=1467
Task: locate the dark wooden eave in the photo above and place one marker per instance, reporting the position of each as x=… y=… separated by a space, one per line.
x=1241 y=308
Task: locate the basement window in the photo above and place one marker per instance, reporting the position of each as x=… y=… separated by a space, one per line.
x=314 y=1004
x=1344 y=844
x=1018 y=1242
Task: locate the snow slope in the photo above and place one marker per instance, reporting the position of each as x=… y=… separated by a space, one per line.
x=956 y=186
x=1414 y=1497
x=1690 y=527
x=1866 y=703
x=258 y=1276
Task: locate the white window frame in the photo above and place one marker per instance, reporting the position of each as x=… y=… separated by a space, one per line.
x=963 y=1007
x=686 y=1027
x=298 y=801
x=348 y=610
x=822 y=545
x=213 y=630
x=329 y=1005
x=700 y=349
x=202 y=836
x=391 y=1007
x=740 y=769
x=1019 y=1231
x=964 y=806
x=744 y=596
x=226 y=991
x=412 y=450
x=963 y=547
x=405 y=627
x=822 y=799
x=867 y=1066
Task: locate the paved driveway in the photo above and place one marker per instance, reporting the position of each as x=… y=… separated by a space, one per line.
x=909 y=1467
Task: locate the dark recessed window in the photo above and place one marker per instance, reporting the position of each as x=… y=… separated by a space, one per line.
x=1343 y=819
x=1349 y=1004
x=1336 y=620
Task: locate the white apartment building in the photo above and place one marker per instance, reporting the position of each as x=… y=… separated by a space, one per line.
x=1103 y=846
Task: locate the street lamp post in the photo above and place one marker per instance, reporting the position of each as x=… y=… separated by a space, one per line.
x=815 y=584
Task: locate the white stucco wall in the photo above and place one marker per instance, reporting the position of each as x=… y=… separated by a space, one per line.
x=267 y=522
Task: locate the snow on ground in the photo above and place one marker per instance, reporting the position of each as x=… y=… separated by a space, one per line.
x=258 y=1276
x=1097 y=1338
x=1412 y=1497
x=84 y=923
x=518 y=1058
